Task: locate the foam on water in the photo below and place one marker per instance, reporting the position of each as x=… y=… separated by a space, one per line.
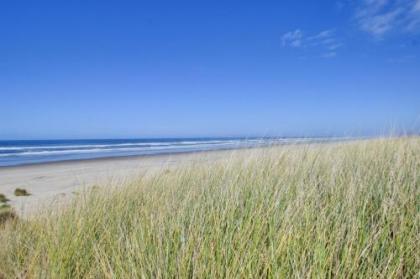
x=30 y=152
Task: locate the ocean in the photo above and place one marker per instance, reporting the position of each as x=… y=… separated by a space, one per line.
x=23 y=152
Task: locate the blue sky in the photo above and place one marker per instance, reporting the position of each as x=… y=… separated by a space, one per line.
x=106 y=69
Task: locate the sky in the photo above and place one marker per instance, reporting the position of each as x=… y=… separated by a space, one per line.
x=133 y=69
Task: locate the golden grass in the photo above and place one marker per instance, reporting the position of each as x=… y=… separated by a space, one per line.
x=6 y=215
x=323 y=211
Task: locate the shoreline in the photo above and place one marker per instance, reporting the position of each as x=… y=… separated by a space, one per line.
x=128 y=157
x=167 y=153
x=50 y=183
x=54 y=182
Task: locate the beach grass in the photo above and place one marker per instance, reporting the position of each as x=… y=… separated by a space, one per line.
x=6 y=215
x=338 y=210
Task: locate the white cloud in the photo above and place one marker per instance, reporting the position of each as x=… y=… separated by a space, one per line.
x=293 y=39
x=380 y=24
x=378 y=17
x=324 y=41
x=402 y=59
x=334 y=46
x=376 y=3
x=416 y=7
x=414 y=24
x=322 y=35
x=330 y=54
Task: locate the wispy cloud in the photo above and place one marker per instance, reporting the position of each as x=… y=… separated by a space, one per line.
x=416 y=7
x=324 y=42
x=330 y=54
x=293 y=38
x=401 y=59
x=378 y=17
x=379 y=24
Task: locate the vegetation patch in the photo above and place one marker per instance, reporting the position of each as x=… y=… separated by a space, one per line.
x=6 y=214
x=21 y=192
x=3 y=198
x=342 y=210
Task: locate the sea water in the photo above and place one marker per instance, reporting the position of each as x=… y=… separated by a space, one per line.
x=22 y=152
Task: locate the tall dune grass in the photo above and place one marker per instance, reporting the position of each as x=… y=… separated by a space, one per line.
x=325 y=211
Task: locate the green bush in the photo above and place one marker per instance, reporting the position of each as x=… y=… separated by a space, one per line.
x=3 y=198
x=21 y=192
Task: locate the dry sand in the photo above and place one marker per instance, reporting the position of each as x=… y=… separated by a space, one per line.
x=53 y=183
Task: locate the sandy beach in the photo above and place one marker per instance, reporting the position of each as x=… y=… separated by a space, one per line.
x=51 y=183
